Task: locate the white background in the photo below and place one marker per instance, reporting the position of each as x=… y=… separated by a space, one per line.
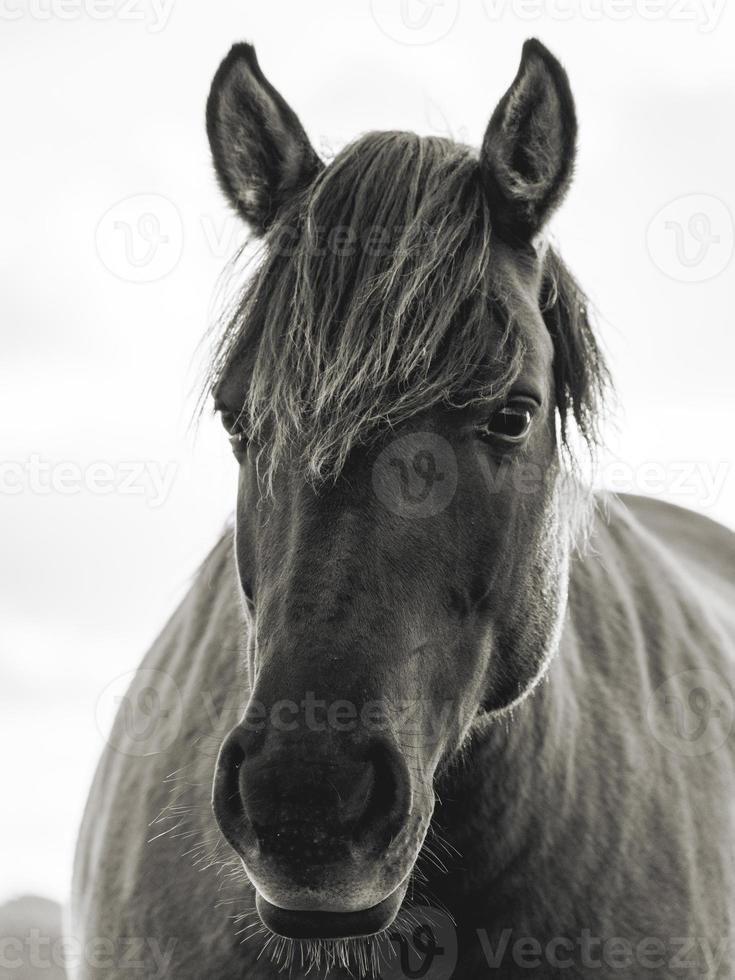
x=103 y=101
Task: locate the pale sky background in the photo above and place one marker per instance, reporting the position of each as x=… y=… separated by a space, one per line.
x=103 y=103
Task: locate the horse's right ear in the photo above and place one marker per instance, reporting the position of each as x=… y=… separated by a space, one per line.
x=262 y=156
x=528 y=152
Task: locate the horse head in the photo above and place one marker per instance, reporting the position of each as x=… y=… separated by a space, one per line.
x=398 y=382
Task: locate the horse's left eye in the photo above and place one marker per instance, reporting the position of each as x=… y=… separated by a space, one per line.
x=510 y=423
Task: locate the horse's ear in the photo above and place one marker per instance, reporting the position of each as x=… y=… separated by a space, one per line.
x=527 y=154
x=262 y=156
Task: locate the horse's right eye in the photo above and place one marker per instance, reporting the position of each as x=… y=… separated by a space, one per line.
x=510 y=424
x=234 y=425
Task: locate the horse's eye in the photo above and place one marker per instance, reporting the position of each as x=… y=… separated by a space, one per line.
x=509 y=424
x=234 y=424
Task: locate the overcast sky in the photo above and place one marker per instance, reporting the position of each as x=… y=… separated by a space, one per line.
x=113 y=235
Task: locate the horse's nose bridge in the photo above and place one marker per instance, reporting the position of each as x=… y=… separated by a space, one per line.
x=331 y=565
x=338 y=602
x=314 y=644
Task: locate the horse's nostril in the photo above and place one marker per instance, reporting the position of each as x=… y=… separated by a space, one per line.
x=227 y=800
x=389 y=802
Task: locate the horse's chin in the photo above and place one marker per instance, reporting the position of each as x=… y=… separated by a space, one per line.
x=315 y=925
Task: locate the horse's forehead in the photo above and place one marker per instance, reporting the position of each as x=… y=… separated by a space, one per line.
x=517 y=282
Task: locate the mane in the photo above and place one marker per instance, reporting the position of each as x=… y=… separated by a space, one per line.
x=372 y=302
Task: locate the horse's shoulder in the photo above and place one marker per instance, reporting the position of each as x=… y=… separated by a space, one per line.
x=671 y=549
x=696 y=537
x=155 y=769
x=658 y=582
x=647 y=626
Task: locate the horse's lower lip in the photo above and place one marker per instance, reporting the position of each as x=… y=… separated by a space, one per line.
x=330 y=925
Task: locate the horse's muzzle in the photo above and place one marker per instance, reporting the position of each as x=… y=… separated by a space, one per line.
x=313 y=819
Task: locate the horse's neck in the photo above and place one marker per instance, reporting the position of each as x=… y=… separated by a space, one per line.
x=506 y=801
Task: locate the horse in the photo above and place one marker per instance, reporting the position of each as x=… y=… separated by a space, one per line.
x=458 y=714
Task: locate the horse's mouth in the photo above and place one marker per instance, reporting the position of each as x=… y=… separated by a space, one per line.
x=293 y=924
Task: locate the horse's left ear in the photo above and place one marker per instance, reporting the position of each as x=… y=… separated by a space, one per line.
x=528 y=152
x=261 y=154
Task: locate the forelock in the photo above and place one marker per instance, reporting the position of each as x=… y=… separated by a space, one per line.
x=372 y=303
